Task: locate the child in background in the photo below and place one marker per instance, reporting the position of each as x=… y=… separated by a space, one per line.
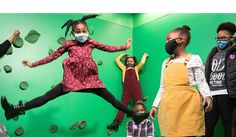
x=142 y=127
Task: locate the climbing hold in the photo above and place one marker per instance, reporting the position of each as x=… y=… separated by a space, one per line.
x=82 y=124
x=53 y=128
x=32 y=37
x=23 y=85
x=18 y=42
x=7 y=68
x=19 y=131
x=61 y=40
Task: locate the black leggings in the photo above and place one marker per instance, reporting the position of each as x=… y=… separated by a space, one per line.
x=58 y=91
x=234 y=118
x=222 y=106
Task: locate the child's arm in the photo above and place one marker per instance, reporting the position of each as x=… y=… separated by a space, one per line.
x=108 y=48
x=159 y=94
x=118 y=62
x=140 y=65
x=7 y=44
x=4 y=47
x=200 y=80
x=49 y=58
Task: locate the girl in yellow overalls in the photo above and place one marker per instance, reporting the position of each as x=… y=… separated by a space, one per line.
x=180 y=106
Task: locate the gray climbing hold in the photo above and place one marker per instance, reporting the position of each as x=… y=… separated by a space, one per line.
x=74 y=125
x=9 y=51
x=19 y=131
x=109 y=132
x=145 y=98
x=23 y=85
x=53 y=128
x=61 y=40
x=18 y=42
x=7 y=68
x=99 y=62
x=32 y=37
x=82 y=124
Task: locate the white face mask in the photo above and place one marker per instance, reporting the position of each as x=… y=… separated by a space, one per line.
x=81 y=37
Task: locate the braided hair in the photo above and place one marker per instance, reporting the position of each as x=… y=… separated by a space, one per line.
x=72 y=23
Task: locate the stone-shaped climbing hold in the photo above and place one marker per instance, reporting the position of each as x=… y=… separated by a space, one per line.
x=19 y=131
x=109 y=132
x=7 y=68
x=53 y=128
x=145 y=98
x=32 y=36
x=82 y=124
x=61 y=40
x=18 y=42
x=23 y=85
x=9 y=51
x=74 y=125
x=99 y=62
x=50 y=51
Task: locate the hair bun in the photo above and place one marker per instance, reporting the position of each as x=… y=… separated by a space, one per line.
x=186 y=27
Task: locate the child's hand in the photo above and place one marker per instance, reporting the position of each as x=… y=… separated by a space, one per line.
x=16 y=33
x=13 y=36
x=152 y=113
x=128 y=43
x=145 y=54
x=207 y=102
x=27 y=63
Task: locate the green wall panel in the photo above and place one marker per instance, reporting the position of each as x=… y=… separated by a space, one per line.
x=151 y=36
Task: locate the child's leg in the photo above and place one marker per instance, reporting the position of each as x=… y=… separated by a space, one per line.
x=15 y=110
x=211 y=118
x=226 y=111
x=50 y=95
x=105 y=94
x=125 y=100
x=234 y=122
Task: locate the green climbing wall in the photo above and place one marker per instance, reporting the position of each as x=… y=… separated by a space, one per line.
x=151 y=37
x=148 y=33
x=66 y=110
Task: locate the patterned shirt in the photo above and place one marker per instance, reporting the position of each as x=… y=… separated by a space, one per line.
x=143 y=129
x=196 y=76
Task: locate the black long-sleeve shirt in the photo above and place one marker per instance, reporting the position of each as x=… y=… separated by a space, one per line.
x=4 y=47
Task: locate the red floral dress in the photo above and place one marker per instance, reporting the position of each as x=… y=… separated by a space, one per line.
x=80 y=71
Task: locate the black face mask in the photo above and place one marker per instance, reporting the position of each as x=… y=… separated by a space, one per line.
x=130 y=65
x=171 y=46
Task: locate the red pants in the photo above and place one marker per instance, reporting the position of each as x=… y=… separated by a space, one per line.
x=131 y=89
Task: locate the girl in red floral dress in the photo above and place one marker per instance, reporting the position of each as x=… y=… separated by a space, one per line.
x=80 y=71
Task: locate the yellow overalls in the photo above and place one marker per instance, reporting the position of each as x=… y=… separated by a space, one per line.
x=181 y=112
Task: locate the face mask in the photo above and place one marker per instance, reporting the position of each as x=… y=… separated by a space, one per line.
x=142 y=117
x=171 y=46
x=81 y=37
x=130 y=65
x=223 y=44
